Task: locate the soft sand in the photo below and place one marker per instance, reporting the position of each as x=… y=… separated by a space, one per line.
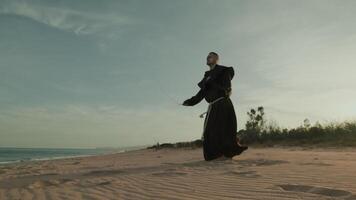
x=263 y=173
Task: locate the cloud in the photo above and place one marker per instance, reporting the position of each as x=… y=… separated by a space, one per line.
x=78 y=22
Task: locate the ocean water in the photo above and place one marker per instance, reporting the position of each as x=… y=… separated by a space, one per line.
x=12 y=155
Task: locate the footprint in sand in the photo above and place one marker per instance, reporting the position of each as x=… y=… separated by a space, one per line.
x=343 y=194
x=46 y=183
x=39 y=184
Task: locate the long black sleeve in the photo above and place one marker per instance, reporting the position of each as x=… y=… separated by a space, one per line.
x=219 y=78
x=196 y=98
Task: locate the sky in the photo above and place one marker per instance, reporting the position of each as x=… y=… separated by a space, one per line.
x=111 y=73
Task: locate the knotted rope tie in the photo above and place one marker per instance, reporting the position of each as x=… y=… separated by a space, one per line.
x=208 y=112
x=211 y=103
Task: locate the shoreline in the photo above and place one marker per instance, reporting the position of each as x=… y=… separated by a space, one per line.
x=107 y=151
x=281 y=147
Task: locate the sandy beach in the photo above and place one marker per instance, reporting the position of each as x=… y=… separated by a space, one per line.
x=260 y=173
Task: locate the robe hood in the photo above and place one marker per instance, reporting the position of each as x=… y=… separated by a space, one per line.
x=213 y=74
x=231 y=71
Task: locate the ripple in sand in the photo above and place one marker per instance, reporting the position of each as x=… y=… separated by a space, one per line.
x=103 y=172
x=352 y=197
x=104 y=183
x=246 y=174
x=169 y=174
x=260 y=162
x=317 y=190
x=316 y=164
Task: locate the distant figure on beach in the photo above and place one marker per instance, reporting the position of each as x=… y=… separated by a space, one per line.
x=220 y=125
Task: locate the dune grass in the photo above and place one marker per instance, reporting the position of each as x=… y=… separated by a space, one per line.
x=258 y=132
x=338 y=134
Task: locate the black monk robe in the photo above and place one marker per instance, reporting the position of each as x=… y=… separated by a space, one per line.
x=220 y=125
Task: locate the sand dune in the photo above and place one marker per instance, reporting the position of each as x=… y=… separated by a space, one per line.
x=263 y=173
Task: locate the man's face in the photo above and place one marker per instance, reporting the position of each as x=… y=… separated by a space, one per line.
x=211 y=59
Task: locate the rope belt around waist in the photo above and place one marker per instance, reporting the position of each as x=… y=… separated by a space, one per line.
x=210 y=104
x=207 y=115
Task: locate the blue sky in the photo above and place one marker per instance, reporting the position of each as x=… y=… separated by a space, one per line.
x=109 y=73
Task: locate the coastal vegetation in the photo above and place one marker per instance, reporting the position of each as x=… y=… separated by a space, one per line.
x=259 y=131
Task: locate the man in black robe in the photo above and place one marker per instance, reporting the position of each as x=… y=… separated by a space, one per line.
x=220 y=125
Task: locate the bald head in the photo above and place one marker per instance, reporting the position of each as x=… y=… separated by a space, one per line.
x=212 y=58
